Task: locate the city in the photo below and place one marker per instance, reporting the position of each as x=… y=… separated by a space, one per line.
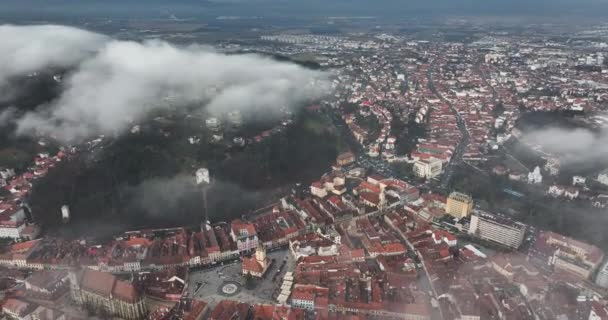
x=454 y=172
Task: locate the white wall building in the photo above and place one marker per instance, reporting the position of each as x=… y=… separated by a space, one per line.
x=535 y=177
x=602 y=276
x=427 y=168
x=497 y=229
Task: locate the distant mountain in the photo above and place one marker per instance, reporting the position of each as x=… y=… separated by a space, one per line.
x=269 y=8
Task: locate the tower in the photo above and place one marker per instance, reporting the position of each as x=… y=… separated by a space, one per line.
x=203 y=180
x=65 y=213
x=260 y=255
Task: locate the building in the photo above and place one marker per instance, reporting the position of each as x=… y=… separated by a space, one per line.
x=459 y=205
x=244 y=235
x=16 y=309
x=602 y=276
x=535 y=177
x=427 y=168
x=257 y=265
x=602 y=177
x=578 y=181
x=48 y=284
x=497 y=229
x=567 y=255
x=213 y=124
x=101 y=290
x=317 y=189
x=231 y=310
x=65 y=213
x=12 y=222
x=235 y=118
x=345 y=159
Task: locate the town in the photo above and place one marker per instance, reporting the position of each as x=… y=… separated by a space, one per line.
x=390 y=230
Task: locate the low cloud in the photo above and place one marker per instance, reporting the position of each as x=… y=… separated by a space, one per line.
x=7 y=116
x=27 y=49
x=177 y=200
x=576 y=146
x=123 y=81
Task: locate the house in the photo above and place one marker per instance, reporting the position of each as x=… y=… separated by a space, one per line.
x=317 y=189
x=535 y=177
x=571 y=193
x=16 y=309
x=245 y=235
x=345 y=158
x=578 y=181
x=47 y=284
x=556 y=191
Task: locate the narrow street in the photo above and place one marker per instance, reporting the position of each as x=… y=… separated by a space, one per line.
x=464 y=141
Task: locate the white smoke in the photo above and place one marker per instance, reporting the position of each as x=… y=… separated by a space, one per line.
x=123 y=81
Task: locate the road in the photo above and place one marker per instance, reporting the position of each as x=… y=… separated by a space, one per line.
x=464 y=141
x=425 y=283
x=484 y=80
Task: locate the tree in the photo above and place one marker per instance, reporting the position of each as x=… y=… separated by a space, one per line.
x=249 y=281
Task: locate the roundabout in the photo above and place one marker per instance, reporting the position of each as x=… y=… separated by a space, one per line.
x=229 y=288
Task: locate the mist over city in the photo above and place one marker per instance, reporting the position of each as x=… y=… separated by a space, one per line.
x=291 y=159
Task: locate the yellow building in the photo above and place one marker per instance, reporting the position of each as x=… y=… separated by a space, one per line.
x=459 y=205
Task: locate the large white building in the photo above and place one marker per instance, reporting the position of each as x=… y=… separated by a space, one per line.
x=12 y=223
x=497 y=229
x=602 y=276
x=427 y=168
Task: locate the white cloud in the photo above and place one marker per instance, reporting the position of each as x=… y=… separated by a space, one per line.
x=26 y=49
x=123 y=81
x=578 y=146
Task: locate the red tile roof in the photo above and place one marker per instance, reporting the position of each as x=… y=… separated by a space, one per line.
x=98 y=282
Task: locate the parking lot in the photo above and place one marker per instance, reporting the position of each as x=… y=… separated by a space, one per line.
x=226 y=281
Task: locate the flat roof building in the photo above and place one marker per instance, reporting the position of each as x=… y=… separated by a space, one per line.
x=497 y=229
x=459 y=205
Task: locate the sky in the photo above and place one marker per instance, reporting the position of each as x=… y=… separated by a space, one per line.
x=388 y=8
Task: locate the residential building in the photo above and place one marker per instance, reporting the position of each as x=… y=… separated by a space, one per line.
x=47 y=284
x=459 y=205
x=317 y=189
x=602 y=276
x=16 y=309
x=212 y=124
x=345 y=158
x=497 y=229
x=427 y=168
x=535 y=177
x=12 y=222
x=245 y=235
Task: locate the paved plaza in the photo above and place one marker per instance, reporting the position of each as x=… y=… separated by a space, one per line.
x=227 y=282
